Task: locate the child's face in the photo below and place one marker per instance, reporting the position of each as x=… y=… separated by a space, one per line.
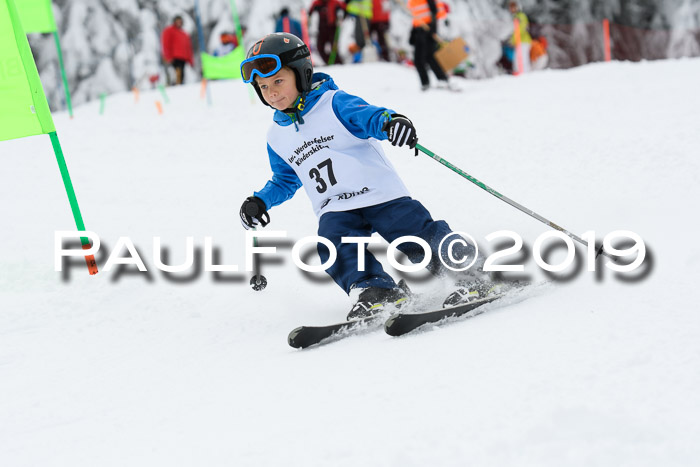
x=280 y=89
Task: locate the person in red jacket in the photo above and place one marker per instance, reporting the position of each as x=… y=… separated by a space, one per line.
x=177 y=48
x=326 y=41
x=379 y=26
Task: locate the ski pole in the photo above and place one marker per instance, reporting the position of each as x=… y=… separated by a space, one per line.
x=516 y=205
x=334 y=47
x=258 y=282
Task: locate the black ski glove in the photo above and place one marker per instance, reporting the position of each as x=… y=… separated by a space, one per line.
x=400 y=131
x=254 y=213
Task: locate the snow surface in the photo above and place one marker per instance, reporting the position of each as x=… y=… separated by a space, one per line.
x=144 y=369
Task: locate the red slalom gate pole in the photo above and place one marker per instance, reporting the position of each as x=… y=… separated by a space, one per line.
x=606 y=39
x=518 y=48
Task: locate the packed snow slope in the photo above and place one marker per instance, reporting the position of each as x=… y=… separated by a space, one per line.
x=193 y=369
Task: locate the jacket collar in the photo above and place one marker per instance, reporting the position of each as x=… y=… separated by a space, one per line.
x=321 y=83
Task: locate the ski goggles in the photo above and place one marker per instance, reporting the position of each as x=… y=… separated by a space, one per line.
x=265 y=65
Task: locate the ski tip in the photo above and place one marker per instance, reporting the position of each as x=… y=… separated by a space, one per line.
x=292 y=339
x=391 y=326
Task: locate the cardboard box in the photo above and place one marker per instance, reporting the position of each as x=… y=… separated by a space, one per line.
x=451 y=54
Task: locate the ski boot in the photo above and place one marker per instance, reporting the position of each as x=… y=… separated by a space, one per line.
x=373 y=300
x=473 y=290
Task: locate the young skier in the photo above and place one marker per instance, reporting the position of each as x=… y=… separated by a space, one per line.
x=328 y=142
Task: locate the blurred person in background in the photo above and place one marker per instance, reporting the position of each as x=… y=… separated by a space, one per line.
x=362 y=11
x=177 y=48
x=539 y=58
x=379 y=26
x=425 y=15
x=286 y=24
x=525 y=39
x=328 y=28
x=229 y=41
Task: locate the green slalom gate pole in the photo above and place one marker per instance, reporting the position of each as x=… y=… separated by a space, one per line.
x=334 y=47
x=516 y=205
x=161 y=88
x=236 y=22
x=239 y=35
x=72 y=199
x=63 y=74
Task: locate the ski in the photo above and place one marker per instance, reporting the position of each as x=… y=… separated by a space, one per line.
x=399 y=322
x=306 y=336
x=403 y=323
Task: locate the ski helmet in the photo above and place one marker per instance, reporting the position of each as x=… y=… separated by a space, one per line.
x=271 y=53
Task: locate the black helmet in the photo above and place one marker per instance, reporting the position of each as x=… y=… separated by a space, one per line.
x=292 y=53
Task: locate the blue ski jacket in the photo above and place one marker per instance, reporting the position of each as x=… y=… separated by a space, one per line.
x=357 y=116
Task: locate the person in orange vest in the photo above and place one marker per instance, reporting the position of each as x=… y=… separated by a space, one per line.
x=425 y=15
x=379 y=26
x=177 y=48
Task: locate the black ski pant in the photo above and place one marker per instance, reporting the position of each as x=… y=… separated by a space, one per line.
x=324 y=42
x=380 y=29
x=423 y=55
x=179 y=66
x=361 y=31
